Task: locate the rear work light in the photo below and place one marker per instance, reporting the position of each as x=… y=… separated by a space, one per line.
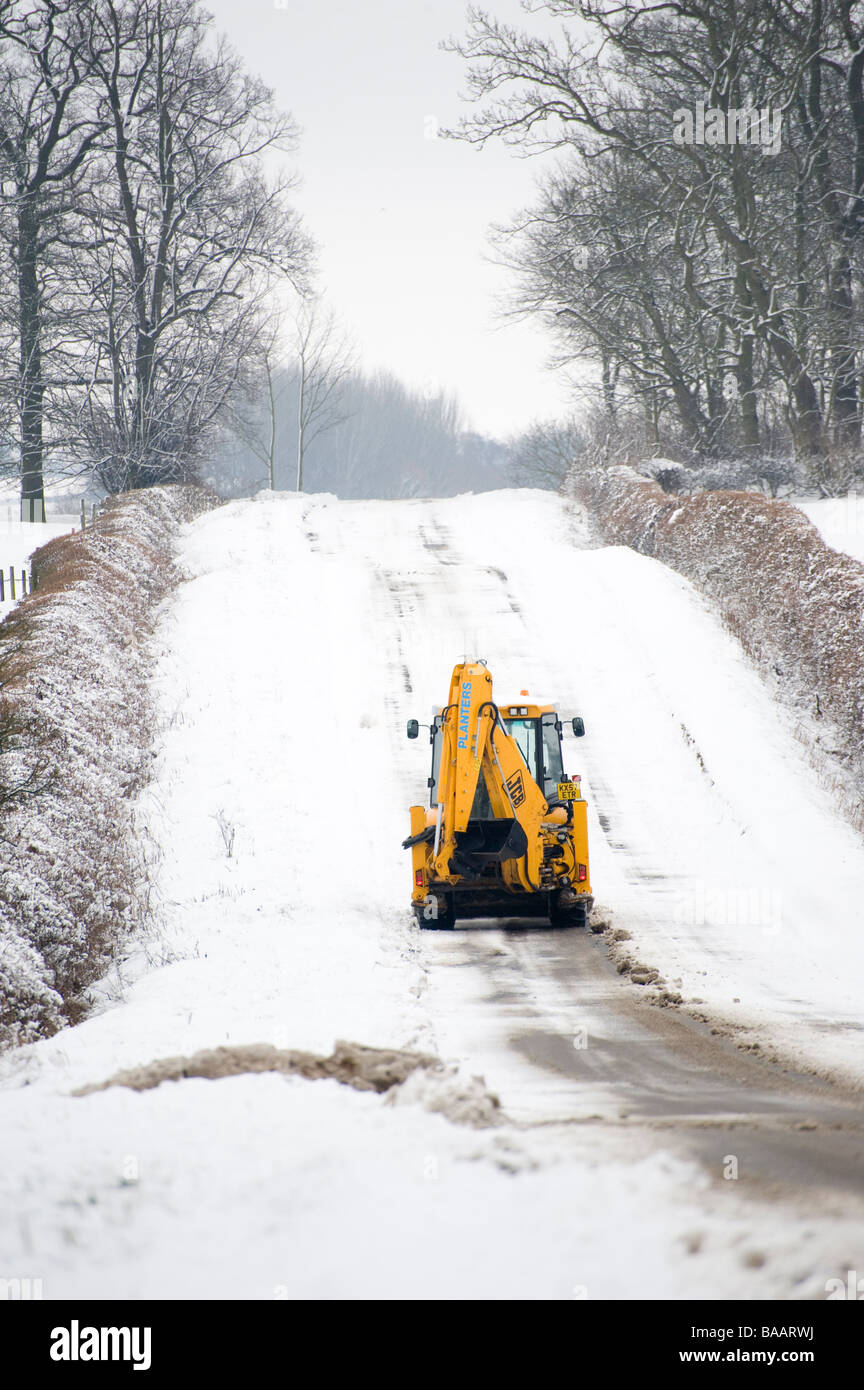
x=581 y=873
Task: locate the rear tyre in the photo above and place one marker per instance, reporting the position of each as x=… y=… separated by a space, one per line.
x=567 y=916
x=445 y=920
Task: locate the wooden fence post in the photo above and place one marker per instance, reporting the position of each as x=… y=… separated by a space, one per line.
x=2 y=588
x=12 y=582
x=83 y=514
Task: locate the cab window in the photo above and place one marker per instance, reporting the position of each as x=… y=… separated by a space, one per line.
x=436 y=760
x=524 y=731
x=553 y=766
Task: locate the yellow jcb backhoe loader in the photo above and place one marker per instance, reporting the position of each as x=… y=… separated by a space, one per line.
x=505 y=833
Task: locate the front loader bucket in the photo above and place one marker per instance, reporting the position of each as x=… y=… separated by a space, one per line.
x=488 y=842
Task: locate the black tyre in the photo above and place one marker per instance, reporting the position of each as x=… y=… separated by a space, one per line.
x=445 y=919
x=567 y=916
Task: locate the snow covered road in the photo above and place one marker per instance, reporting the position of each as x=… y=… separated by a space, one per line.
x=309 y=632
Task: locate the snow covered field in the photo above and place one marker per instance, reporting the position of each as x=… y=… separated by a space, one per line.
x=18 y=540
x=309 y=632
x=840 y=521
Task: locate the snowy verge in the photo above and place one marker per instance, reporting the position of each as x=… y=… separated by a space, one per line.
x=75 y=728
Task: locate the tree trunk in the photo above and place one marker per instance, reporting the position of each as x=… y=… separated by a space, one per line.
x=300 y=422
x=846 y=415
x=271 y=451
x=747 y=395
x=31 y=385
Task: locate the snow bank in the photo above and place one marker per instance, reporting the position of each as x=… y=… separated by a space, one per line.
x=796 y=605
x=75 y=728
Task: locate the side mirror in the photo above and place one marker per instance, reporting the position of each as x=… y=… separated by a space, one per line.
x=413 y=728
x=579 y=726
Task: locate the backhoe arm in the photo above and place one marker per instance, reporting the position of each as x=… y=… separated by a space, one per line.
x=461 y=756
x=475 y=742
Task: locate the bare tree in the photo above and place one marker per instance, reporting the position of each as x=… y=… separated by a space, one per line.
x=324 y=361
x=187 y=238
x=543 y=455
x=745 y=266
x=252 y=416
x=596 y=259
x=142 y=237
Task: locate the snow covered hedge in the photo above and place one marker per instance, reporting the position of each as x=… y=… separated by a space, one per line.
x=75 y=730
x=796 y=605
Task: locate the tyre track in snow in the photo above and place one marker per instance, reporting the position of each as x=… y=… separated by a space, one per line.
x=544 y=1014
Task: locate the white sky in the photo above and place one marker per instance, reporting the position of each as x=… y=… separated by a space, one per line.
x=401 y=219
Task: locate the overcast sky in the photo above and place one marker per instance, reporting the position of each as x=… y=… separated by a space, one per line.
x=401 y=218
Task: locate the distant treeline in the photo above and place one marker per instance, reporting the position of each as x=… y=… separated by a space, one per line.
x=380 y=439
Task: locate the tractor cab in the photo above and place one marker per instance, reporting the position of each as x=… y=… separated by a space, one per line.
x=536 y=730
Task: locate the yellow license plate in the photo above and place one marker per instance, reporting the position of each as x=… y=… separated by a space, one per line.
x=568 y=791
